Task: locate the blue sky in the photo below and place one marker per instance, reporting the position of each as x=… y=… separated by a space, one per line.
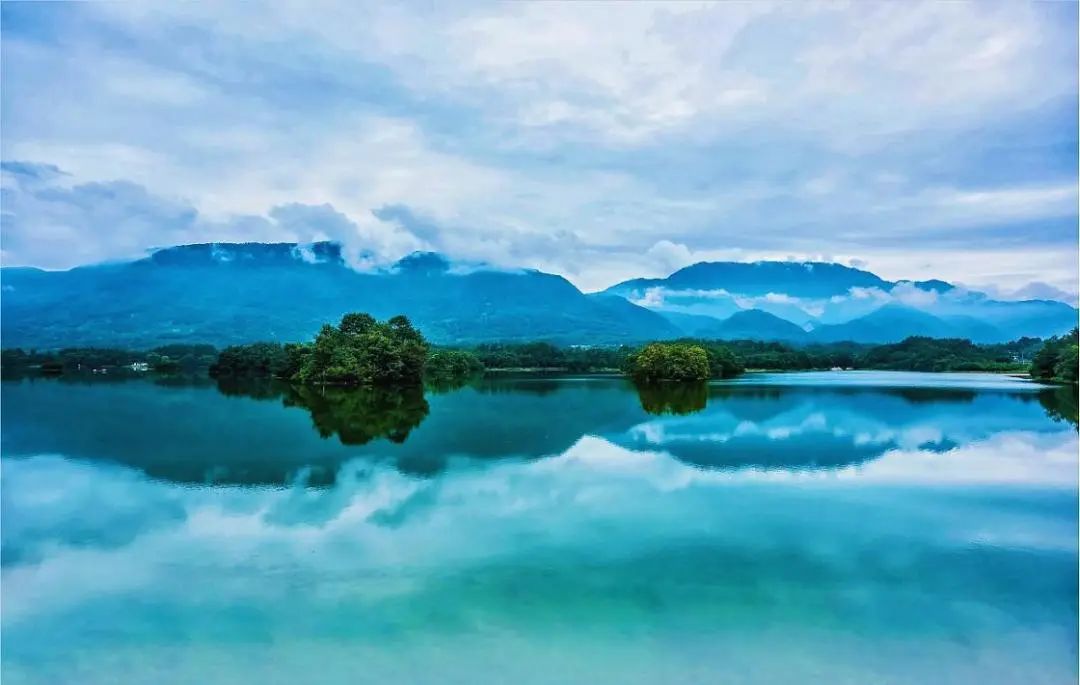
x=599 y=141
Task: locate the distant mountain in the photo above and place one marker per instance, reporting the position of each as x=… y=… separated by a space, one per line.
x=829 y=297
x=800 y=292
x=693 y=325
x=745 y=324
x=893 y=323
x=754 y=324
x=805 y=279
x=230 y=293
x=1036 y=318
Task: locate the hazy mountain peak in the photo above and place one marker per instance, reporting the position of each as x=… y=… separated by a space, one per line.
x=254 y=254
x=797 y=279
x=423 y=262
x=285 y=291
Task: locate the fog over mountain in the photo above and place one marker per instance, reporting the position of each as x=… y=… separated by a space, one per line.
x=225 y=293
x=835 y=302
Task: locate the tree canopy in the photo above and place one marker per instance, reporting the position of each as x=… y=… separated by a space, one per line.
x=670 y=362
x=363 y=351
x=1057 y=360
x=358 y=351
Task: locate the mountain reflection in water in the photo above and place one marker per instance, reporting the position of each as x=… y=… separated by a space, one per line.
x=260 y=431
x=856 y=528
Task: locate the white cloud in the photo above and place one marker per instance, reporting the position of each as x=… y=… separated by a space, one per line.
x=595 y=142
x=909 y=294
x=671 y=256
x=633 y=73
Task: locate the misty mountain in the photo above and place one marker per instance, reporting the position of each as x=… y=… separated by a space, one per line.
x=753 y=324
x=889 y=324
x=747 y=324
x=808 y=279
x=231 y=293
x=840 y=303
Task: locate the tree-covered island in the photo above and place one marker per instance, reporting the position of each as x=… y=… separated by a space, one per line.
x=358 y=351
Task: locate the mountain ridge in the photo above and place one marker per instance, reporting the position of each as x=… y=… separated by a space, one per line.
x=226 y=293
x=238 y=292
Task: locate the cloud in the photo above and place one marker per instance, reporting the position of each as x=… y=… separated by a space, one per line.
x=909 y=294
x=1036 y=290
x=670 y=256
x=28 y=174
x=99 y=221
x=55 y=226
x=852 y=73
x=856 y=302
x=926 y=141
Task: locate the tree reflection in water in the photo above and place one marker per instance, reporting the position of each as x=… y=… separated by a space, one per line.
x=356 y=415
x=359 y=415
x=1061 y=404
x=673 y=398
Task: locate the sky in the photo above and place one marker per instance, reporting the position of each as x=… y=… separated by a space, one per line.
x=597 y=141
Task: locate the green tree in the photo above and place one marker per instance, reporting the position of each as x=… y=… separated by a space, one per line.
x=363 y=351
x=1057 y=359
x=670 y=362
x=451 y=364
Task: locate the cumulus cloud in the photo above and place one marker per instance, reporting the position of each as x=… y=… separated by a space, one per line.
x=669 y=255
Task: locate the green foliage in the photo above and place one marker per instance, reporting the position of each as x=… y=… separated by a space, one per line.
x=257 y=359
x=670 y=362
x=187 y=358
x=363 y=351
x=542 y=355
x=778 y=356
x=15 y=358
x=1057 y=360
x=296 y=355
x=445 y=364
x=939 y=354
x=722 y=361
x=358 y=351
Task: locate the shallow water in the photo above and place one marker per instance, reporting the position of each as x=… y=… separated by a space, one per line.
x=841 y=527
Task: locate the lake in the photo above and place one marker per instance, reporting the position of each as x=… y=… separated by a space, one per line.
x=850 y=527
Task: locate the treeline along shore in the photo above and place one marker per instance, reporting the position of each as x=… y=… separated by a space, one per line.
x=360 y=350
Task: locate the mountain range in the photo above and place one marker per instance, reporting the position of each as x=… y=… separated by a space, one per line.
x=833 y=302
x=226 y=293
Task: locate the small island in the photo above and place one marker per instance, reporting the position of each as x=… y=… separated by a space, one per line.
x=359 y=351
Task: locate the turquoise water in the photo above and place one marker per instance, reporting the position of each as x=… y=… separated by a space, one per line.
x=851 y=527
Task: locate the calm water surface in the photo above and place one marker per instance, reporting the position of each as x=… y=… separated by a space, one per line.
x=850 y=527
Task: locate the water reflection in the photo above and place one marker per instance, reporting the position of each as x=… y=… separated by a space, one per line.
x=359 y=415
x=167 y=533
x=672 y=398
x=1061 y=404
x=196 y=430
x=805 y=427
x=609 y=552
